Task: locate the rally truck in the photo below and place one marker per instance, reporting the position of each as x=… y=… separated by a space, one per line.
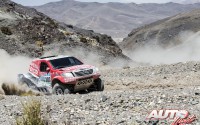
x=61 y=75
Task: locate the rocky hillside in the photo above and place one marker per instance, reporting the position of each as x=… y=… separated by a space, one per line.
x=164 y=32
x=115 y=19
x=25 y=31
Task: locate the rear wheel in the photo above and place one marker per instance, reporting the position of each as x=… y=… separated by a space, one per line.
x=99 y=84
x=60 y=89
x=67 y=91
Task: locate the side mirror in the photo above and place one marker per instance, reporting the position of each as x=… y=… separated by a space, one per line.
x=48 y=69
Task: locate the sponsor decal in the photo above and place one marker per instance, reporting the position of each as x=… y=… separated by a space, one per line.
x=34 y=69
x=180 y=117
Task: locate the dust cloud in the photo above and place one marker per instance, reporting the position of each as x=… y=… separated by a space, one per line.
x=11 y=66
x=187 y=50
x=89 y=57
x=78 y=52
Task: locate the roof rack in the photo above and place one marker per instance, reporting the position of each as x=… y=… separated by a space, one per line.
x=48 y=57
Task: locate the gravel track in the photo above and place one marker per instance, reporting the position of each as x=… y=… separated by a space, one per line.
x=129 y=96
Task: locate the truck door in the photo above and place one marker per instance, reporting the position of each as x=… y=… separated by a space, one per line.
x=45 y=76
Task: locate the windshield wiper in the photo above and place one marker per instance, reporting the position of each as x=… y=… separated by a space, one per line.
x=59 y=67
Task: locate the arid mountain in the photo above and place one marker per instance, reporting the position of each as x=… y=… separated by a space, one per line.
x=165 y=32
x=24 y=31
x=186 y=1
x=115 y=19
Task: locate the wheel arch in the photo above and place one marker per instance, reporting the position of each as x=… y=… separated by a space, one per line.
x=55 y=81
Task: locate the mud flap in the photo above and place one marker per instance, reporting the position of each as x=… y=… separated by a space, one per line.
x=24 y=80
x=28 y=82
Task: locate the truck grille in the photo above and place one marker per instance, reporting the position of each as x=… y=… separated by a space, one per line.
x=84 y=72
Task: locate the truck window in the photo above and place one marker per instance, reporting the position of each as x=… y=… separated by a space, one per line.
x=65 y=62
x=43 y=67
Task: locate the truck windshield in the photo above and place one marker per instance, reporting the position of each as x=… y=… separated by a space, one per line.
x=65 y=62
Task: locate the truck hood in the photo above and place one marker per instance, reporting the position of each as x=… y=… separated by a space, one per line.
x=74 y=68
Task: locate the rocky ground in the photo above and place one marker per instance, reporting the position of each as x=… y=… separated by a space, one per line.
x=130 y=94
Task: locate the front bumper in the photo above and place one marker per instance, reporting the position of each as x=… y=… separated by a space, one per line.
x=81 y=83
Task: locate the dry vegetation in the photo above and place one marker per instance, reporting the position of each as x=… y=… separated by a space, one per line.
x=31 y=114
x=6 y=30
x=13 y=89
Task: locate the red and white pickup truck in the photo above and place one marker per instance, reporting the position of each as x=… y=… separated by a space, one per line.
x=61 y=75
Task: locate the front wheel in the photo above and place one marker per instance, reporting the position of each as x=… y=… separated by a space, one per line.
x=60 y=89
x=99 y=84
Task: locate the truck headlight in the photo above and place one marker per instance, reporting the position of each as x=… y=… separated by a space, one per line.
x=95 y=69
x=68 y=75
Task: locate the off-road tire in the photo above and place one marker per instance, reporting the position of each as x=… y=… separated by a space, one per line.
x=60 y=89
x=67 y=91
x=99 y=84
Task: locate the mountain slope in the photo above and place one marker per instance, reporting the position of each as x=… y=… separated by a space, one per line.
x=115 y=19
x=164 y=32
x=24 y=30
x=186 y=1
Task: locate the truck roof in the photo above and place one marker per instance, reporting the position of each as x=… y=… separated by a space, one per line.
x=52 y=57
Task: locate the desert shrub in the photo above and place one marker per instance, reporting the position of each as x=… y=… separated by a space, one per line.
x=83 y=39
x=2 y=91
x=52 y=23
x=6 y=30
x=39 y=43
x=67 y=33
x=13 y=89
x=31 y=114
